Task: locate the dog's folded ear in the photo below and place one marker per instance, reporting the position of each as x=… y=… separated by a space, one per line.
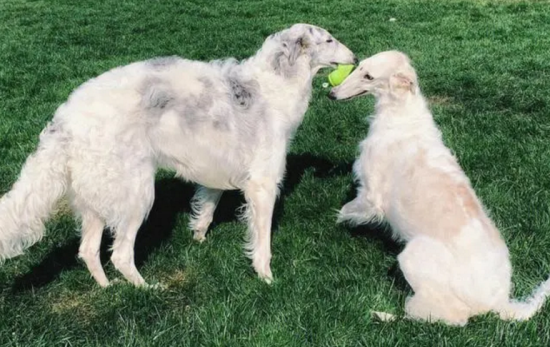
x=404 y=80
x=293 y=48
x=290 y=50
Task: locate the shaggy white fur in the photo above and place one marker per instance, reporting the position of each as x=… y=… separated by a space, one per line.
x=455 y=259
x=224 y=125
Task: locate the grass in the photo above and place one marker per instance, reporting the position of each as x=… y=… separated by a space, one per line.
x=485 y=65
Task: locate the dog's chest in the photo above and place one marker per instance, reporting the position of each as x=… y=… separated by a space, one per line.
x=379 y=150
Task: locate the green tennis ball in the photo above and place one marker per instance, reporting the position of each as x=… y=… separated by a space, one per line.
x=338 y=76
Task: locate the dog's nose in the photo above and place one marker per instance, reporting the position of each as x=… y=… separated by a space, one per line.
x=355 y=60
x=331 y=95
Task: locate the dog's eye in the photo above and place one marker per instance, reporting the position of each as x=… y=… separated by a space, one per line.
x=329 y=40
x=369 y=77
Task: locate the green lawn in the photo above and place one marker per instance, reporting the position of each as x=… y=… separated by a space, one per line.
x=484 y=65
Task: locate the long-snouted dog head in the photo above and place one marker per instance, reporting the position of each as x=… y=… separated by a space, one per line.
x=305 y=44
x=386 y=74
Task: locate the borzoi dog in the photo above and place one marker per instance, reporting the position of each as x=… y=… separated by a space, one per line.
x=224 y=125
x=455 y=259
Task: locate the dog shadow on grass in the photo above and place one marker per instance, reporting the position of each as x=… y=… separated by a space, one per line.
x=172 y=197
x=381 y=234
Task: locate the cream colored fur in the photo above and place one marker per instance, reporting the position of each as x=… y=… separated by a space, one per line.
x=455 y=259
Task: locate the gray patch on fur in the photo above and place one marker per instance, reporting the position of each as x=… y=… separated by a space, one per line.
x=281 y=65
x=241 y=93
x=52 y=128
x=207 y=83
x=276 y=63
x=221 y=124
x=284 y=59
x=160 y=99
x=156 y=95
x=206 y=98
x=194 y=109
x=163 y=62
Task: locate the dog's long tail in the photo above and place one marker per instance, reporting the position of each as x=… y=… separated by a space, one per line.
x=42 y=182
x=525 y=309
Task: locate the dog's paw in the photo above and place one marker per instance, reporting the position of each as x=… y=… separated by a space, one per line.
x=264 y=272
x=116 y=281
x=199 y=236
x=340 y=218
x=267 y=278
x=104 y=284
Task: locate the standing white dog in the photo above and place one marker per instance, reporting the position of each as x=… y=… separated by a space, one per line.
x=455 y=259
x=224 y=125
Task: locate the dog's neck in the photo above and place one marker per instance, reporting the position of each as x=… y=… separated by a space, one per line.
x=289 y=91
x=403 y=109
x=409 y=116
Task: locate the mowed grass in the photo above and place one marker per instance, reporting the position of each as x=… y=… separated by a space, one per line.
x=484 y=65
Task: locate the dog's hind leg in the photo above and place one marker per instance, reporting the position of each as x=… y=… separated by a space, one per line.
x=428 y=266
x=203 y=204
x=132 y=214
x=92 y=231
x=260 y=196
x=123 y=250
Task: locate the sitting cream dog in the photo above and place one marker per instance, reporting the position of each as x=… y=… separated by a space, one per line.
x=455 y=259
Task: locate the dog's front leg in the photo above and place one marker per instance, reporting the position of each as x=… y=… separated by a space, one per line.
x=260 y=196
x=203 y=204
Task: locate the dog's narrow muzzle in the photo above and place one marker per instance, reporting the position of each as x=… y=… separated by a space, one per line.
x=331 y=95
